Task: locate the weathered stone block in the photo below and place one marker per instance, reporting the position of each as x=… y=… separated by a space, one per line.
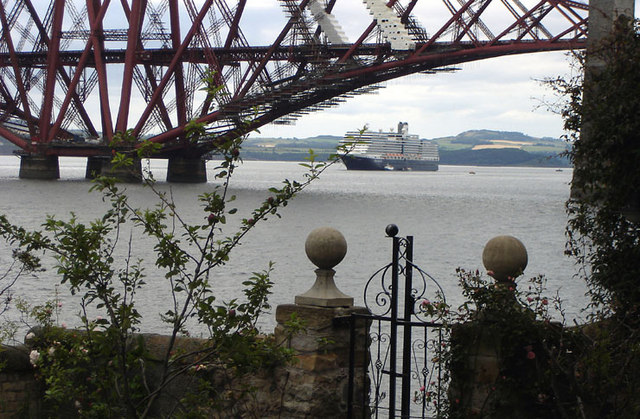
x=318 y=362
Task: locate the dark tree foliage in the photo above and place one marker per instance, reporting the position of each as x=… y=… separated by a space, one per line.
x=603 y=118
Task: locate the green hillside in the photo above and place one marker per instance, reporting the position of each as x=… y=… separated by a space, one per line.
x=474 y=148
x=289 y=148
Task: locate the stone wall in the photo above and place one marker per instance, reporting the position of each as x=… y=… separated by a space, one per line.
x=314 y=385
x=317 y=383
x=20 y=393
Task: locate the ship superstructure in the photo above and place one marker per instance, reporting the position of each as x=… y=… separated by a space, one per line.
x=400 y=150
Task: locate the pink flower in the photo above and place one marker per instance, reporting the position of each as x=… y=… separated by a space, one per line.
x=545 y=301
x=422 y=389
x=531 y=355
x=425 y=302
x=490 y=273
x=529 y=299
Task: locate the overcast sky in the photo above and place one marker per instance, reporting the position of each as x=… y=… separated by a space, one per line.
x=499 y=94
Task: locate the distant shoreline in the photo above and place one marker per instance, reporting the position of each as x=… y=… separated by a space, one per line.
x=470 y=148
x=534 y=161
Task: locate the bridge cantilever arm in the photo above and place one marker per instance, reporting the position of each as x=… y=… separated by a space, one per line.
x=536 y=23
x=235 y=33
x=181 y=109
x=576 y=25
x=359 y=42
x=364 y=35
x=446 y=26
x=571 y=3
x=328 y=9
x=476 y=18
x=134 y=42
x=518 y=22
x=267 y=56
x=78 y=72
x=235 y=24
x=25 y=145
x=103 y=90
x=408 y=10
x=178 y=131
x=61 y=71
x=136 y=18
x=174 y=62
x=164 y=115
x=17 y=73
x=52 y=61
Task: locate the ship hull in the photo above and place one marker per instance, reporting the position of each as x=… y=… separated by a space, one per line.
x=372 y=163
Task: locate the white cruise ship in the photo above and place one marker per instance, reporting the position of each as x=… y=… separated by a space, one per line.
x=389 y=151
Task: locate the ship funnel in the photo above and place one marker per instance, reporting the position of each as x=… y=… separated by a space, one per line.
x=403 y=128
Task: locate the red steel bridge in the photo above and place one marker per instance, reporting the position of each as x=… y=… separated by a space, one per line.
x=74 y=73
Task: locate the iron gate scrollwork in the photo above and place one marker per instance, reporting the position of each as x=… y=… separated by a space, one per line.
x=403 y=370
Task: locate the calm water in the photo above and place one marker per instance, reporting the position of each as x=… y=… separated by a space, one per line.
x=451 y=213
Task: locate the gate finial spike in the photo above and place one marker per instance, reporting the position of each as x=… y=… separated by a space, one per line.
x=391 y=230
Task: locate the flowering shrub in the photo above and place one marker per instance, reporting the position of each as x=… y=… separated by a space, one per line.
x=101 y=370
x=506 y=347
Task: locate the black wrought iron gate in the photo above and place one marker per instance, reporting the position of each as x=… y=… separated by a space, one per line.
x=401 y=372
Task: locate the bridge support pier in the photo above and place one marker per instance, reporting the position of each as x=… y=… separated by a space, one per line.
x=94 y=167
x=187 y=170
x=97 y=166
x=34 y=166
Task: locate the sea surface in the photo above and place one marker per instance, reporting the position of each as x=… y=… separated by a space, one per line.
x=451 y=214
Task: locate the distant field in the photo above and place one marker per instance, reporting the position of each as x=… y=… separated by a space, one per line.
x=479 y=147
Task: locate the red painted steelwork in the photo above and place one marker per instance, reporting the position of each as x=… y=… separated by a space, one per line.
x=78 y=71
x=133 y=38
x=17 y=73
x=44 y=39
x=101 y=69
x=166 y=48
x=172 y=66
x=52 y=60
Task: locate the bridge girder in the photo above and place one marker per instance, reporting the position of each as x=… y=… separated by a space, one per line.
x=170 y=50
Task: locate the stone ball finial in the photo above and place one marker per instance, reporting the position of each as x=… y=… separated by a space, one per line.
x=325 y=247
x=504 y=257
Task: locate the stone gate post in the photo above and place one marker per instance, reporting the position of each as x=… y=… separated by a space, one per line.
x=317 y=381
x=476 y=345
